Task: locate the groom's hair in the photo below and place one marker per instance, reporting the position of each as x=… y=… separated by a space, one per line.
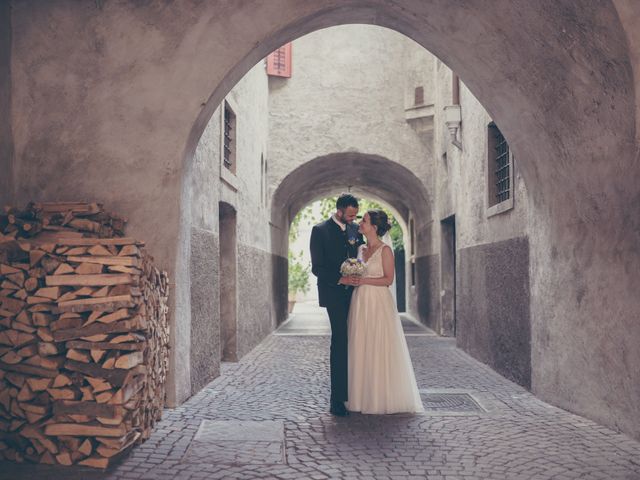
x=346 y=200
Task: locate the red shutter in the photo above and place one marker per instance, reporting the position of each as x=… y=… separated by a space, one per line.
x=279 y=62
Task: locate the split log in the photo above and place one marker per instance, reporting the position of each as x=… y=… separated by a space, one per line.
x=28 y=369
x=86 y=447
x=45 y=349
x=78 y=344
x=61 y=381
x=95 y=462
x=64 y=269
x=136 y=323
x=39 y=384
x=89 y=280
x=104 y=304
x=88 y=430
x=88 y=268
x=129 y=360
x=107 y=260
x=113 y=376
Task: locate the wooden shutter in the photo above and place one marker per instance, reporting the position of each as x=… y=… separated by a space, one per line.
x=279 y=62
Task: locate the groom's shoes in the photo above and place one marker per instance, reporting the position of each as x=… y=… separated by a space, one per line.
x=338 y=409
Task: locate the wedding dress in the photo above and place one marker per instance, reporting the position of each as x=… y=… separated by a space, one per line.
x=381 y=376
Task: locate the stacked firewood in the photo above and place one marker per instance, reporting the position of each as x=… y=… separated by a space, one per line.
x=83 y=336
x=59 y=218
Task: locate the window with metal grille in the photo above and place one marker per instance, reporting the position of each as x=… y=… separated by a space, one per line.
x=229 y=138
x=499 y=166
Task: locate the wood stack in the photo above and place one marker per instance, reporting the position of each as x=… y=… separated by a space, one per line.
x=52 y=219
x=83 y=338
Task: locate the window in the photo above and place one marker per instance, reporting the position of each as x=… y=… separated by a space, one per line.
x=229 y=138
x=279 y=62
x=418 y=96
x=499 y=170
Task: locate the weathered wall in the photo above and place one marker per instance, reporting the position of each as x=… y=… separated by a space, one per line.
x=629 y=15
x=211 y=184
x=6 y=140
x=492 y=297
x=349 y=94
x=205 y=348
x=256 y=315
x=347 y=87
x=492 y=307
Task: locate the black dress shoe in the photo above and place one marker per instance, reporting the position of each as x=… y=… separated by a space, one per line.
x=338 y=409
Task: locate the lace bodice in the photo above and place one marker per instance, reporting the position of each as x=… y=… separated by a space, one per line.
x=373 y=267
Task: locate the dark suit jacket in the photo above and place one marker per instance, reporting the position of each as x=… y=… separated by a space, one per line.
x=330 y=246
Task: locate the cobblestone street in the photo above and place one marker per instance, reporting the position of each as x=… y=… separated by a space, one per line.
x=266 y=417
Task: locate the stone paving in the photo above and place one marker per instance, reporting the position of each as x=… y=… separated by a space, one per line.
x=278 y=395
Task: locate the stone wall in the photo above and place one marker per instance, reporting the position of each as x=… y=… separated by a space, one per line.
x=492 y=288
x=493 y=323
x=351 y=92
x=205 y=320
x=212 y=183
x=6 y=141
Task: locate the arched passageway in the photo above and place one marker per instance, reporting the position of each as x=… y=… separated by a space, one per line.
x=559 y=77
x=368 y=176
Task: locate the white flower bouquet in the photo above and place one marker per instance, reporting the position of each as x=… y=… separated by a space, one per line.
x=352 y=266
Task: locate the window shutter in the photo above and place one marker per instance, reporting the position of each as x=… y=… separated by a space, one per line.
x=279 y=62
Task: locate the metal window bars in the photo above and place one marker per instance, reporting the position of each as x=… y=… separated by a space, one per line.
x=502 y=168
x=228 y=139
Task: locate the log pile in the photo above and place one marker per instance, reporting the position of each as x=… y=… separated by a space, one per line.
x=50 y=220
x=83 y=336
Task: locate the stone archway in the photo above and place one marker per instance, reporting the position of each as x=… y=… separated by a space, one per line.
x=366 y=175
x=558 y=76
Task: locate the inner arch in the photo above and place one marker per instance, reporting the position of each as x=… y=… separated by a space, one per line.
x=363 y=174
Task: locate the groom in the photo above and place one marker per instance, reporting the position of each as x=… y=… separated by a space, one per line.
x=332 y=242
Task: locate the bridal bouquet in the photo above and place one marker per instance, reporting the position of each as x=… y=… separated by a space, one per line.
x=352 y=266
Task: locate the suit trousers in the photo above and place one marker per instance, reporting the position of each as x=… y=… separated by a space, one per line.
x=338 y=310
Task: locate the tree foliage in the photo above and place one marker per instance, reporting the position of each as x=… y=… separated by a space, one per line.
x=298 y=274
x=327 y=207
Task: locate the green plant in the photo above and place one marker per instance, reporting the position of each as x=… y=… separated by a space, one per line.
x=298 y=274
x=328 y=206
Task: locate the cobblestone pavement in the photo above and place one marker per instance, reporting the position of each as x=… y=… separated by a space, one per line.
x=278 y=395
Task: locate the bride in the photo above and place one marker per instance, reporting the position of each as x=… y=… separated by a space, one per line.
x=381 y=377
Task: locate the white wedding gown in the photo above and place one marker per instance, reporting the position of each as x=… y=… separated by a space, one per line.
x=381 y=377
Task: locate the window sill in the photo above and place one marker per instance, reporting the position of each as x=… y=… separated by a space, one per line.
x=229 y=178
x=501 y=207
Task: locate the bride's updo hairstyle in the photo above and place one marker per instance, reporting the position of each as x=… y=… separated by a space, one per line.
x=380 y=219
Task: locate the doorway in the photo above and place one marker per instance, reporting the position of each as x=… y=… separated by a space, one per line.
x=228 y=283
x=448 y=277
